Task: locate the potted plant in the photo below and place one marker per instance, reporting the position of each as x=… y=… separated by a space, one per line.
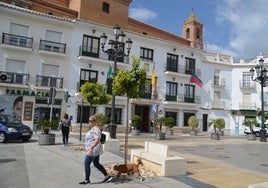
x=46 y=138
x=135 y=123
x=250 y=122
x=193 y=123
x=158 y=125
x=217 y=124
x=169 y=123
x=221 y=127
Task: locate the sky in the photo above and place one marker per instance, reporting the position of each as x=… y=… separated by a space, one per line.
x=233 y=27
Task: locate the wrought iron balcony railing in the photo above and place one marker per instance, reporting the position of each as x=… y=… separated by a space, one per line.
x=15 y=78
x=49 y=81
x=16 y=40
x=52 y=46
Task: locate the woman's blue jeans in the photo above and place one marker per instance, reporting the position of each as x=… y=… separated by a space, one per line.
x=96 y=161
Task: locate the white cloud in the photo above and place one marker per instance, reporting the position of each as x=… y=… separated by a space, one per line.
x=248 y=25
x=142 y=14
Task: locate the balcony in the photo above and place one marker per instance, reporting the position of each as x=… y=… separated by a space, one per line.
x=247 y=105
x=52 y=46
x=218 y=104
x=247 y=84
x=48 y=81
x=15 y=78
x=86 y=52
x=219 y=82
x=16 y=40
x=183 y=98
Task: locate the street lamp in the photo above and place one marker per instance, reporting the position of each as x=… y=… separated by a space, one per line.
x=261 y=78
x=115 y=50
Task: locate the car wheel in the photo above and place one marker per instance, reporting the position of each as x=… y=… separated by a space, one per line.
x=2 y=137
x=257 y=134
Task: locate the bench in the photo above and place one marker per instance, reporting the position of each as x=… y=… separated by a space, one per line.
x=155 y=157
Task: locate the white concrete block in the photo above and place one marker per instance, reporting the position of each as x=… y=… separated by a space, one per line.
x=112 y=145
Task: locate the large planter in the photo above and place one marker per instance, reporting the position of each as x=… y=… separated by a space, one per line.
x=46 y=139
x=135 y=132
x=251 y=136
x=215 y=136
x=169 y=132
x=221 y=132
x=160 y=136
x=193 y=133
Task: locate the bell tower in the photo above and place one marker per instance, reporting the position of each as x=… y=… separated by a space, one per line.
x=193 y=31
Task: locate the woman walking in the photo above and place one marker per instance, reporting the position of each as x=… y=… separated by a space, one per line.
x=93 y=149
x=65 y=128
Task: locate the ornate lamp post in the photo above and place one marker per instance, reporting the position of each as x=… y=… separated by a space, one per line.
x=261 y=78
x=115 y=50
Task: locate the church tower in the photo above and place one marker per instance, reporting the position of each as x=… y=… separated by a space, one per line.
x=193 y=31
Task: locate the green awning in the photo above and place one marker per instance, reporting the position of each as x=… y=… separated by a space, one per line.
x=248 y=113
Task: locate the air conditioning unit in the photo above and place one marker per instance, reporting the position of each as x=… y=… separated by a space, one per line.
x=3 y=77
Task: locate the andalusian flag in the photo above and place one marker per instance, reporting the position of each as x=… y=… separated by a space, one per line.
x=110 y=72
x=153 y=77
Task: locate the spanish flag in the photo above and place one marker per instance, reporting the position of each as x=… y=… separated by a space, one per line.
x=153 y=77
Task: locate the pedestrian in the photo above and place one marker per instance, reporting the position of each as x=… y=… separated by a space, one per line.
x=94 y=149
x=65 y=128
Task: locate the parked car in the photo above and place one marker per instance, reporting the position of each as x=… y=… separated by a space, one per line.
x=256 y=129
x=13 y=129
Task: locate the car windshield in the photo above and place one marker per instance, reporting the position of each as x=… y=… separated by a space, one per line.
x=6 y=119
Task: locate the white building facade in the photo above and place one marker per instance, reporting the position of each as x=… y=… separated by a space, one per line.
x=40 y=51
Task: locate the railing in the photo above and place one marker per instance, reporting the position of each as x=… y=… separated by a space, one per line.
x=15 y=78
x=218 y=104
x=247 y=105
x=247 y=84
x=183 y=98
x=97 y=53
x=52 y=46
x=16 y=40
x=48 y=81
x=181 y=69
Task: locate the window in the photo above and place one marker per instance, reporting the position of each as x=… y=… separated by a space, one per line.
x=189 y=65
x=216 y=77
x=246 y=79
x=53 y=36
x=105 y=7
x=247 y=101
x=88 y=76
x=90 y=46
x=118 y=113
x=146 y=90
x=171 y=91
x=50 y=70
x=189 y=93
x=187 y=33
x=18 y=29
x=172 y=62
x=197 y=33
x=146 y=54
x=15 y=66
x=172 y=114
x=217 y=99
x=49 y=75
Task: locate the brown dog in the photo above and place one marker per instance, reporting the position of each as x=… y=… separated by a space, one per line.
x=129 y=169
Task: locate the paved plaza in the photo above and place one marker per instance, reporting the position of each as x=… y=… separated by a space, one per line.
x=232 y=161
